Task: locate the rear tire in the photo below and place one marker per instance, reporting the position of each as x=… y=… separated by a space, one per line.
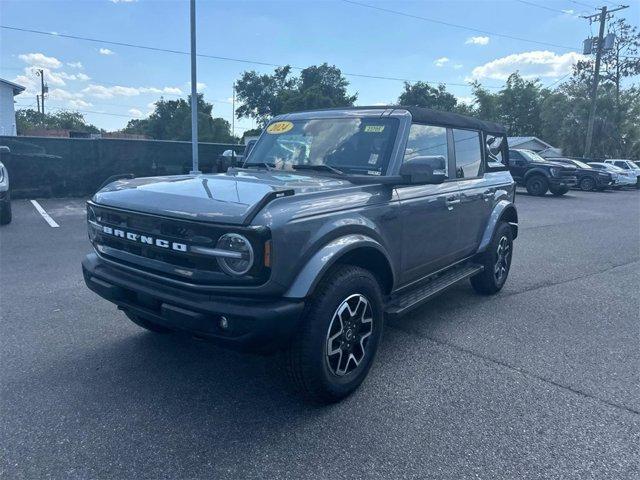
x=146 y=324
x=587 y=184
x=537 y=185
x=343 y=319
x=559 y=191
x=496 y=261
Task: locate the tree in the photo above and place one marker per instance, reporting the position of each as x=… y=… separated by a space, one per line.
x=421 y=94
x=171 y=120
x=264 y=96
x=29 y=119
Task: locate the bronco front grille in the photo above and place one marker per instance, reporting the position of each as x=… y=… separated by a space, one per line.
x=184 y=265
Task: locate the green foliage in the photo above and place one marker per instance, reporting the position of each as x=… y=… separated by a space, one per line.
x=171 y=120
x=263 y=96
x=29 y=119
x=421 y=94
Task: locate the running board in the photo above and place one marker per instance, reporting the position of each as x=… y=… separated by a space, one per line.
x=415 y=297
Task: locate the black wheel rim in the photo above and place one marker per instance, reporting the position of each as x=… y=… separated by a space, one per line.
x=348 y=335
x=587 y=184
x=501 y=267
x=536 y=187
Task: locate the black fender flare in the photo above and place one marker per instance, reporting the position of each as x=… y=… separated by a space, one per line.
x=504 y=210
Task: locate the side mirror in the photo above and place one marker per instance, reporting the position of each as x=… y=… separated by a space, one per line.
x=424 y=170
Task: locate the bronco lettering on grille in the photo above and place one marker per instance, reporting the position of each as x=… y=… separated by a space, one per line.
x=136 y=237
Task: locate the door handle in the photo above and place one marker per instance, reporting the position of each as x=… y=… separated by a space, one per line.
x=451 y=201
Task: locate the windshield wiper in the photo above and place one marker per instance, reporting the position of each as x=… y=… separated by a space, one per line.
x=268 y=166
x=326 y=168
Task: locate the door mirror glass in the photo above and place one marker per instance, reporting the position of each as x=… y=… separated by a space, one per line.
x=424 y=170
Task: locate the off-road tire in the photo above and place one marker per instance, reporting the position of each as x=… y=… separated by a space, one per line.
x=307 y=357
x=587 y=184
x=558 y=191
x=537 y=185
x=5 y=213
x=486 y=282
x=146 y=324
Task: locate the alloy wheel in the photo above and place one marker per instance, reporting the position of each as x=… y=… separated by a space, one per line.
x=348 y=334
x=502 y=263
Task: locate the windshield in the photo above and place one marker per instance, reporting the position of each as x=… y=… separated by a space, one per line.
x=532 y=156
x=581 y=164
x=350 y=145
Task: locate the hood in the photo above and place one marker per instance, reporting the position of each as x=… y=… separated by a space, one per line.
x=553 y=164
x=233 y=197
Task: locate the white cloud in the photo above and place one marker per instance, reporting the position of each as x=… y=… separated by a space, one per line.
x=106 y=51
x=134 y=112
x=467 y=100
x=79 y=104
x=101 y=91
x=75 y=64
x=458 y=66
x=82 y=77
x=123 y=1
x=440 y=62
x=40 y=60
x=477 y=40
x=534 y=64
x=569 y=11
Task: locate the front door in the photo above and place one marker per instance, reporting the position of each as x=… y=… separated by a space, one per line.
x=430 y=218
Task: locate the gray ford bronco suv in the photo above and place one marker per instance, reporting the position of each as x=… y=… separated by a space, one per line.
x=337 y=220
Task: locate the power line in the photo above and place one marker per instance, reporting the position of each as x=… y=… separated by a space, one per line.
x=455 y=25
x=230 y=59
x=544 y=7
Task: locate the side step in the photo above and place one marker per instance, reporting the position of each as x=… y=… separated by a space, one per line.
x=416 y=296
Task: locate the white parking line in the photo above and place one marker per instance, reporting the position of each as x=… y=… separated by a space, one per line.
x=45 y=215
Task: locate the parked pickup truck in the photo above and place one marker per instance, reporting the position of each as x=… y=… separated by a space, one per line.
x=538 y=175
x=337 y=220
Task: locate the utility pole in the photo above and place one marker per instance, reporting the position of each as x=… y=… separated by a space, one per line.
x=233 y=110
x=40 y=73
x=602 y=17
x=194 y=92
x=38 y=100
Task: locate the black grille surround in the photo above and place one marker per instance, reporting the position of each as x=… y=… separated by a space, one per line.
x=188 y=267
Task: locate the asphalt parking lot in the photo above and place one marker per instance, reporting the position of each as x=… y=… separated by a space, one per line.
x=540 y=381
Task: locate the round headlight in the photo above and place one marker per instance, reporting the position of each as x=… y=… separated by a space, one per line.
x=240 y=258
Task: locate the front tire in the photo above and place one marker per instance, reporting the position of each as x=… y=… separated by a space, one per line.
x=340 y=331
x=587 y=184
x=5 y=211
x=537 y=185
x=496 y=261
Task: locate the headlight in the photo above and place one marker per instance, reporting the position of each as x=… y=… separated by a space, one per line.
x=555 y=172
x=240 y=259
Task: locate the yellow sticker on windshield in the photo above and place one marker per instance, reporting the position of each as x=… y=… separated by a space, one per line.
x=374 y=128
x=279 y=127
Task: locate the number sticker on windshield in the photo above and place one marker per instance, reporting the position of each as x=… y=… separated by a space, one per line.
x=279 y=127
x=374 y=128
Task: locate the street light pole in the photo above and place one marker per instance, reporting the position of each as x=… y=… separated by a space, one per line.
x=194 y=92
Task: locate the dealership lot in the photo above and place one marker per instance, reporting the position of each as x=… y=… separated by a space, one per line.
x=542 y=380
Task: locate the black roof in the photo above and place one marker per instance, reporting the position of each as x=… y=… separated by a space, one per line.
x=453 y=120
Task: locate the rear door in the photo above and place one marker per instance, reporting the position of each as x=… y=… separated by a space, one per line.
x=430 y=213
x=476 y=192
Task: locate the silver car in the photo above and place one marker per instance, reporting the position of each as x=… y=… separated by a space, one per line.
x=621 y=178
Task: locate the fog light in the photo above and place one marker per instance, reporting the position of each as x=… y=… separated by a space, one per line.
x=224 y=323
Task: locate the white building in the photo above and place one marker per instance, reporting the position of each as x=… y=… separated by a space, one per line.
x=541 y=147
x=8 y=90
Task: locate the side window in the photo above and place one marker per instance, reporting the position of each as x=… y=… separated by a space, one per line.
x=495 y=148
x=426 y=140
x=622 y=165
x=468 y=154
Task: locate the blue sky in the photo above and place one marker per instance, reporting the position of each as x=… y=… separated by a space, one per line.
x=118 y=83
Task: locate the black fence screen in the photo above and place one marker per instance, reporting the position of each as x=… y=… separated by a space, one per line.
x=44 y=166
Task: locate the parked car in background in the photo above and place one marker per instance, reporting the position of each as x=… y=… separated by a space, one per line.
x=5 y=194
x=538 y=175
x=621 y=178
x=626 y=165
x=589 y=178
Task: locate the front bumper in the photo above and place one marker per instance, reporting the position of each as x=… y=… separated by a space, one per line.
x=563 y=181
x=254 y=324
